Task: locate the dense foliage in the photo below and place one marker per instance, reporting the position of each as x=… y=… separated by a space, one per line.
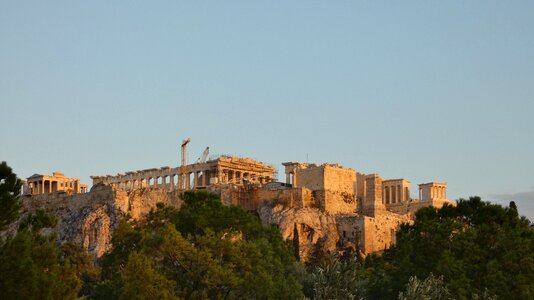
x=204 y=250
x=478 y=248
x=32 y=264
x=9 y=199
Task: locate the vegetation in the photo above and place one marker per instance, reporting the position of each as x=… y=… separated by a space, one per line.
x=9 y=200
x=32 y=265
x=204 y=250
x=475 y=250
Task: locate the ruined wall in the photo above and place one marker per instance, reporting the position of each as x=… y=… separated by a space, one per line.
x=403 y=208
x=339 y=179
x=340 y=188
x=378 y=233
x=333 y=187
x=411 y=207
x=311 y=178
x=251 y=197
x=350 y=231
x=372 y=203
x=361 y=188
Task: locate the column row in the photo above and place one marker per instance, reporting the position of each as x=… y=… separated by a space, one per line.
x=47 y=186
x=238 y=177
x=394 y=194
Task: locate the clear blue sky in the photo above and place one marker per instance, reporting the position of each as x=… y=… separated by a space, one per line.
x=425 y=90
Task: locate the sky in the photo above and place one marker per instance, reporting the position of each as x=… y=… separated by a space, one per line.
x=422 y=90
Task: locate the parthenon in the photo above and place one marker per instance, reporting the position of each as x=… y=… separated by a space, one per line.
x=222 y=170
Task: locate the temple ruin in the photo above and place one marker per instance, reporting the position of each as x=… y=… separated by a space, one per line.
x=222 y=170
x=57 y=182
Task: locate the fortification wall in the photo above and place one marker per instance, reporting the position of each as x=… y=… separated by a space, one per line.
x=350 y=227
x=379 y=231
x=311 y=178
x=251 y=197
x=340 y=190
x=411 y=207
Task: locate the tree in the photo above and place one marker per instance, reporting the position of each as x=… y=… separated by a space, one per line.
x=31 y=264
x=432 y=288
x=296 y=242
x=142 y=281
x=203 y=250
x=337 y=278
x=479 y=248
x=9 y=195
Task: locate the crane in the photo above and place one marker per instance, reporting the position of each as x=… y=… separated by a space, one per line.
x=204 y=155
x=182 y=182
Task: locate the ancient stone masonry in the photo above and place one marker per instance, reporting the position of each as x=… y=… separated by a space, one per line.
x=223 y=170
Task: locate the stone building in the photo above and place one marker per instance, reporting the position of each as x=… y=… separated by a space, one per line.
x=57 y=182
x=222 y=170
x=334 y=186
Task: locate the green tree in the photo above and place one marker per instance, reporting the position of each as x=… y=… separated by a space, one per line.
x=432 y=288
x=31 y=264
x=336 y=278
x=142 y=281
x=296 y=242
x=205 y=249
x=9 y=195
x=479 y=248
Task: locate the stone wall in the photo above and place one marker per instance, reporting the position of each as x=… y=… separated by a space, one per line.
x=372 y=202
x=311 y=178
x=340 y=187
x=333 y=187
x=409 y=208
x=251 y=197
x=378 y=233
x=350 y=229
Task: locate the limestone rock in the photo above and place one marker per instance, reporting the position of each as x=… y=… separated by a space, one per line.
x=89 y=219
x=314 y=226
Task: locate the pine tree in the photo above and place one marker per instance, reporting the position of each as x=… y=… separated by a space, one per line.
x=9 y=195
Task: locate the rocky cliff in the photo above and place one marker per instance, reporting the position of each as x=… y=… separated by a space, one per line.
x=89 y=219
x=313 y=225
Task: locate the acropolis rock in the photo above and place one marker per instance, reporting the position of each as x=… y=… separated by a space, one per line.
x=327 y=204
